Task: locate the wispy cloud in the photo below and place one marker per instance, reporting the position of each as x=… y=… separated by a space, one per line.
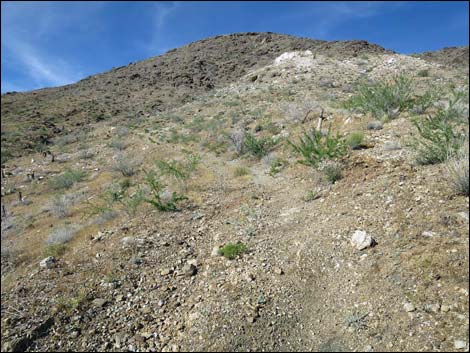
x=28 y=29
x=162 y=11
x=327 y=16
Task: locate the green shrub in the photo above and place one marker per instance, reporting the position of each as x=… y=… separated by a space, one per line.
x=231 y=251
x=355 y=139
x=118 y=144
x=422 y=103
x=126 y=165
x=258 y=147
x=314 y=147
x=384 y=100
x=276 y=166
x=333 y=171
x=181 y=171
x=240 y=171
x=423 y=73
x=157 y=197
x=438 y=139
x=54 y=250
x=67 y=179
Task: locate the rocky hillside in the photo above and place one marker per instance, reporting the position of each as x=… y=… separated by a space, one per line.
x=315 y=201
x=452 y=56
x=30 y=119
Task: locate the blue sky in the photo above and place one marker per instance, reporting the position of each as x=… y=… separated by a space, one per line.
x=55 y=43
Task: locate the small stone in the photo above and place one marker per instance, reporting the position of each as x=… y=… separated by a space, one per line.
x=361 y=240
x=189 y=270
x=136 y=260
x=251 y=319
x=445 y=308
x=374 y=125
x=460 y=344
x=278 y=271
x=165 y=272
x=409 y=307
x=75 y=334
x=215 y=251
x=48 y=262
x=99 y=302
x=368 y=348
x=432 y=308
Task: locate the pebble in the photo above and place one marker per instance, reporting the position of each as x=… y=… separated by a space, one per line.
x=278 y=271
x=409 y=307
x=48 y=262
x=165 y=272
x=361 y=240
x=460 y=344
x=432 y=308
x=99 y=302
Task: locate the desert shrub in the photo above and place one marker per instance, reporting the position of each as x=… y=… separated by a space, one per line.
x=384 y=100
x=122 y=131
x=60 y=206
x=61 y=235
x=125 y=165
x=297 y=111
x=333 y=171
x=458 y=170
x=258 y=147
x=85 y=154
x=423 y=73
x=455 y=108
x=118 y=144
x=66 y=179
x=240 y=171
x=422 y=103
x=355 y=139
x=314 y=147
x=66 y=140
x=438 y=139
x=55 y=250
x=231 y=251
x=276 y=166
x=158 y=198
x=180 y=171
x=238 y=141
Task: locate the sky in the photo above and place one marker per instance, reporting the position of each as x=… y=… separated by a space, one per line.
x=45 y=44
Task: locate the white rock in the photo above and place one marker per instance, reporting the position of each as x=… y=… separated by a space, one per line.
x=460 y=344
x=409 y=307
x=361 y=240
x=48 y=262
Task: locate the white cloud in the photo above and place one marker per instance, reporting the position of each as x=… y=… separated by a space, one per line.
x=28 y=28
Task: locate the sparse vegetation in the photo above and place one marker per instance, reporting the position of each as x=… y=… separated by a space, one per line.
x=314 y=147
x=160 y=199
x=118 y=144
x=332 y=170
x=423 y=73
x=383 y=100
x=55 y=250
x=60 y=206
x=67 y=179
x=258 y=147
x=126 y=165
x=438 y=138
x=458 y=170
x=62 y=235
x=355 y=140
x=241 y=171
x=231 y=251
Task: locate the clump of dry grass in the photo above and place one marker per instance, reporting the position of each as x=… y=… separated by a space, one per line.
x=458 y=170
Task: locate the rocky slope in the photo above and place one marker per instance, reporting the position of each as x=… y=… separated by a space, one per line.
x=133 y=278
x=452 y=56
x=30 y=119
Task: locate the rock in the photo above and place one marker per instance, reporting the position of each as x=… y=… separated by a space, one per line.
x=215 y=251
x=99 y=302
x=361 y=240
x=374 y=125
x=165 y=272
x=432 y=308
x=409 y=307
x=132 y=241
x=460 y=344
x=135 y=260
x=445 y=308
x=368 y=348
x=189 y=270
x=428 y=234
x=48 y=262
x=278 y=271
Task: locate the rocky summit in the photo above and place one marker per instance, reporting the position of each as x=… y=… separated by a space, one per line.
x=246 y=192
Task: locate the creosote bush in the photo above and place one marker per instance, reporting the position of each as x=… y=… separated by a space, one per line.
x=67 y=179
x=355 y=140
x=458 y=170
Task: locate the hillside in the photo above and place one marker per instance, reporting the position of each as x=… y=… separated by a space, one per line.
x=312 y=197
x=30 y=119
x=452 y=56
